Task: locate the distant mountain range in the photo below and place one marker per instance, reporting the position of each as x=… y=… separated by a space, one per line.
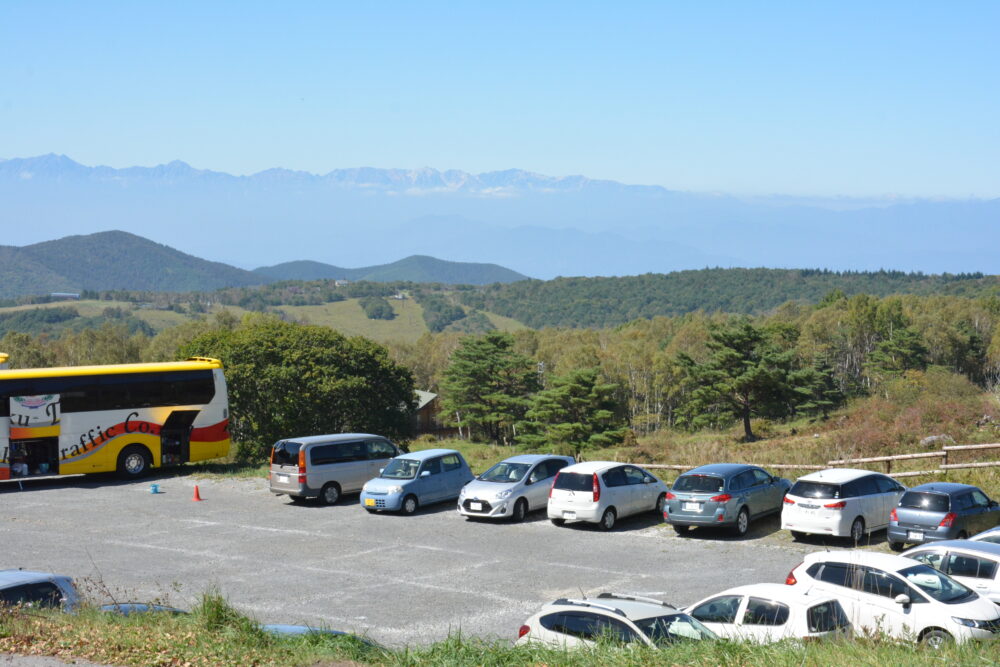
x=537 y=225
x=120 y=260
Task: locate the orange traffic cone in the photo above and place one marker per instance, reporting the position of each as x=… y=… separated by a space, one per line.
x=197 y=496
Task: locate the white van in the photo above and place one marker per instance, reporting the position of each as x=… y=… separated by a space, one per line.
x=840 y=502
x=327 y=466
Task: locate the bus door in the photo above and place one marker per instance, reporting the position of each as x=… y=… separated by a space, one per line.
x=175 y=437
x=34 y=435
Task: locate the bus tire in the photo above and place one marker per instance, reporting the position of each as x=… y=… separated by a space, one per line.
x=134 y=462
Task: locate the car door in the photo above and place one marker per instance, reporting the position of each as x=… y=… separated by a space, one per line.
x=643 y=495
x=980 y=512
x=618 y=491
x=763 y=621
x=452 y=476
x=380 y=452
x=976 y=571
x=771 y=492
x=720 y=614
x=873 y=503
x=430 y=487
x=536 y=489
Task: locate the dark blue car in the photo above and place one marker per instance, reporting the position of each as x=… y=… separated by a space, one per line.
x=940 y=511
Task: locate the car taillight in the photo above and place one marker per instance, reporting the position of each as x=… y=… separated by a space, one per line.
x=790 y=580
x=836 y=506
x=302 y=466
x=722 y=498
x=948 y=521
x=522 y=631
x=893 y=516
x=787 y=501
x=554 y=480
x=670 y=496
x=597 y=489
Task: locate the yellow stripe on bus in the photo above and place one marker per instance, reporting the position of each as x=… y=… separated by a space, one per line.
x=198 y=364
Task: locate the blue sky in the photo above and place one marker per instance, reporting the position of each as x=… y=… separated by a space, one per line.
x=846 y=98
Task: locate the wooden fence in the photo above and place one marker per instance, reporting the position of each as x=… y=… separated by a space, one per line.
x=887 y=460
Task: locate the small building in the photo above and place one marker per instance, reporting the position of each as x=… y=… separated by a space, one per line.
x=427 y=416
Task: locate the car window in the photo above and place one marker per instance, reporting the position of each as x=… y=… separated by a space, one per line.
x=588 y=626
x=338 y=452
x=615 y=477
x=401 y=468
x=40 y=594
x=979 y=499
x=555 y=465
x=506 y=472
x=935 y=584
x=962 y=502
x=451 y=462
x=826 y=617
x=925 y=500
x=699 y=483
x=886 y=484
x=808 y=489
x=867 y=486
x=718 y=610
x=672 y=628
x=993 y=537
x=286 y=453
x=960 y=565
x=380 y=449
x=765 y=612
x=883 y=584
x=742 y=481
x=838 y=574
x=634 y=475
x=933 y=558
x=433 y=466
x=761 y=477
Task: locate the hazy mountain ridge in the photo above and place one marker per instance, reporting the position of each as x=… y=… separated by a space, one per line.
x=416 y=268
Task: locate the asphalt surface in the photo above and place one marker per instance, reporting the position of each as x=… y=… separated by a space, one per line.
x=399 y=580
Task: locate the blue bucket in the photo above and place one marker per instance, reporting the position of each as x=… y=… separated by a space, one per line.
x=154 y=488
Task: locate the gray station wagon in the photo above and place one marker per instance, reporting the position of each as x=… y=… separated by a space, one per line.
x=940 y=511
x=326 y=466
x=723 y=494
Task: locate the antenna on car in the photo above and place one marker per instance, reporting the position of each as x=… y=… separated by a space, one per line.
x=582 y=594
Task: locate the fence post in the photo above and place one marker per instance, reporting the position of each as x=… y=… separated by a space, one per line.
x=888 y=467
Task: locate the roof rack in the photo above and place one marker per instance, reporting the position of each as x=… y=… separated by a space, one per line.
x=588 y=603
x=635 y=598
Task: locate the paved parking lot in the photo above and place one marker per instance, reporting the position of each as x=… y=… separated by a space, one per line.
x=402 y=580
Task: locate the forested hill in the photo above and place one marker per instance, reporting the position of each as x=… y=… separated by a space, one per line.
x=605 y=302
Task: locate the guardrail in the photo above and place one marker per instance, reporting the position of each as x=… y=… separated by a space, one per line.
x=887 y=460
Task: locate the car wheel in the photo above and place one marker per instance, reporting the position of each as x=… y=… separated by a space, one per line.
x=660 y=505
x=742 y=522
x=682 y=530
x=409 y=504
x=935 y=639
x=520 y=510
x=798 y=536
x=608 y=519
x=133 y=462
x=330 y=493
x=897 y=546
x=858 y=530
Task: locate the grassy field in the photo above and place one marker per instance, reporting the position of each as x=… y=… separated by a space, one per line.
x=349 y=318
x=215 y=634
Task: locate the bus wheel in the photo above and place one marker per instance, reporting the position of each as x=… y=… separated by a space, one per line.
x=133 y=462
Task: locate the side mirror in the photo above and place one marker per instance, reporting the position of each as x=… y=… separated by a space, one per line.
x=381 y=470
x=426 y=473
x=902 y=599
x=993 y=503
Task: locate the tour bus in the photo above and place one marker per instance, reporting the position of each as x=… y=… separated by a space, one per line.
x=125 y=417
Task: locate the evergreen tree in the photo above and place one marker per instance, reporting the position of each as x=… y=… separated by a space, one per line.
x=577 y=411
x=487 y=385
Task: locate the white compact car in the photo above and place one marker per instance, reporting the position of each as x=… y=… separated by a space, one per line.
x=568 y=623
x=898 y=597
x=767 y=613
x=840 y=502
x=602 y=492
x=512 y=488
x=975 y=564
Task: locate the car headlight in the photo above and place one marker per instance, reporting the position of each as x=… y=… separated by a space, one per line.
x=972 y=623
x=364 y=488
x=504 y=494
x=394 y=489
x=461 y=494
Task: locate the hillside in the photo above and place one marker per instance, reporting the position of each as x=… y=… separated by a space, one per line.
x=416 y=268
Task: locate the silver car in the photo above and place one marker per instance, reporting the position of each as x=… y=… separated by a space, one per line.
x=512 y=488
x=940 y=511
x=723 y=494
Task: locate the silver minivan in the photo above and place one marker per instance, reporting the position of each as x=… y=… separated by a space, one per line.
x=327 y=466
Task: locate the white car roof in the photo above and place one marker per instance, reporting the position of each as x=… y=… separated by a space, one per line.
x=777 y=592
x=887 y=562
x=631 y=608
x=591 y=466
x=836 y=475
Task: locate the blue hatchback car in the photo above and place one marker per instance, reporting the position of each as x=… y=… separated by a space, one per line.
x=416 y=479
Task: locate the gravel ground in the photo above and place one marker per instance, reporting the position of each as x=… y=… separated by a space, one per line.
x=399 y=580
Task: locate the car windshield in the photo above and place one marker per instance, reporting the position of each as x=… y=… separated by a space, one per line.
x=401 y=469
x=937 y=585
x=286 y=453
x=699 y=483
x=663 y=630
x=932 y=502
x=806 y=489
x=989 y=536
x=505 y=472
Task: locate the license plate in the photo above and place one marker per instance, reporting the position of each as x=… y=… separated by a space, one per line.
x=915 y=535
x=369 y=502
x=808 y=507
x=569 y=515
x=476 y=507
x=692 y=507
x=283 y=478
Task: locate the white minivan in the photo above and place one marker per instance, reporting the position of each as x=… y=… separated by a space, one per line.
x=840 y=502
x=327 y=466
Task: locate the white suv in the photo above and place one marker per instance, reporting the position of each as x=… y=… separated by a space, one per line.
x=840 y=502
x=602 y=492
x=898 y=597
x=612 y=617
